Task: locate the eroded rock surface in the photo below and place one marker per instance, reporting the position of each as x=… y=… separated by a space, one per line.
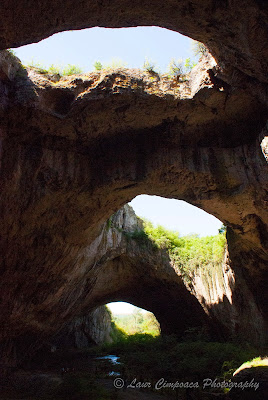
x=74 y=151
x=118 y=266
x=235 y=31
x=82 y=332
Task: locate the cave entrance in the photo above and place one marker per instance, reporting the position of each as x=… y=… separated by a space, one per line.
x=115 y=47
x=131 y=319
x=176 y=215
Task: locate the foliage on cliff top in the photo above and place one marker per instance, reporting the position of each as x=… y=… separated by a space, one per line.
x=186 y=252
x=53 y=69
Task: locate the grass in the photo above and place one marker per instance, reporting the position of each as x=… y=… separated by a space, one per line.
x=150 y=358
x=80 y=386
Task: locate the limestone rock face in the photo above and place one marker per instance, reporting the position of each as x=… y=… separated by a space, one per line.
x=73 y=151
x=82 y=332
x=254 y=380
x=235 y=32
x=119 y=266
x=226 y=298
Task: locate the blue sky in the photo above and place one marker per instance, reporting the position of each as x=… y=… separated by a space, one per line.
x=132 y=46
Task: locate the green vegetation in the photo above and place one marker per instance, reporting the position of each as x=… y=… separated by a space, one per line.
x=176 y=68
x=222 y=229
x=114 y=64
x=187 y=253
x=138 y=322
x=255 y=362
x=198 y=48
x=180 y=67
x=98 y=66
x=80 y=386
x=149 y=66
x=11 y=52
x=67 y=70
x=150 y=358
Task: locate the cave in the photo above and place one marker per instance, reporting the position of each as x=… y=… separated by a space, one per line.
x=72 y=155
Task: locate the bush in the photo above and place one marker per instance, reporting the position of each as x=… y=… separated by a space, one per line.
x=175 y=68
x=98 y=66
x=71 y=69
x=138 y=322
x=187 y=252
x=67 y=70
x=149 y=66
x=152 y=358
x=198 y=48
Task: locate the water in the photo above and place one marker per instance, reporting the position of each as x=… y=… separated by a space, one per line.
x=113 y=360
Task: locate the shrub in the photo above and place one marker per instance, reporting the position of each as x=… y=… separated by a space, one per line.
x=175 y=68
x=71 y=69
x=163 y=356
x=137 y=322
x=38 y=67
x=98 y=66
x=198 y=48
x=115 y=64
x=139 y=235
x=189 y=65
x=187 y=252
x=67 y=70
x=149 y=66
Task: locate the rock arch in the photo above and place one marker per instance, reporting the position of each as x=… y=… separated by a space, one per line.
x=73 y=153
x=235 y=32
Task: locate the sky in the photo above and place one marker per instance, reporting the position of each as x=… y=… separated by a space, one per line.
x=122 y=308
x=132 y=46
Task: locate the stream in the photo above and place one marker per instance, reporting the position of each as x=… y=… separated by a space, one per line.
x=113 y=360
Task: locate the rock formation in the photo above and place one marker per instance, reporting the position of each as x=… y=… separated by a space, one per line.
x=82 y=332
x=133 y=270
x=74 y=151
x=235 y=32
x=253 y=379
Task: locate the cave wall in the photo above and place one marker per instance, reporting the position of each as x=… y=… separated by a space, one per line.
x=121 y=267
x=75 y=151
x=225 y=296
x=84 y=331
x=235 y=31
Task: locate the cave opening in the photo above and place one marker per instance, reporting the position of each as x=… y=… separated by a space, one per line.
x=176 y=215
x=233 y=189
x=89 y=48
x=133 y=320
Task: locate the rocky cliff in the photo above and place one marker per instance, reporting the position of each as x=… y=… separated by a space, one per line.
x=228 y=301
x=82 y=332
x=75 y=150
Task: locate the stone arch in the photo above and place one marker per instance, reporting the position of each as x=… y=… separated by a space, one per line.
x=243 y=46
x=73 y=155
